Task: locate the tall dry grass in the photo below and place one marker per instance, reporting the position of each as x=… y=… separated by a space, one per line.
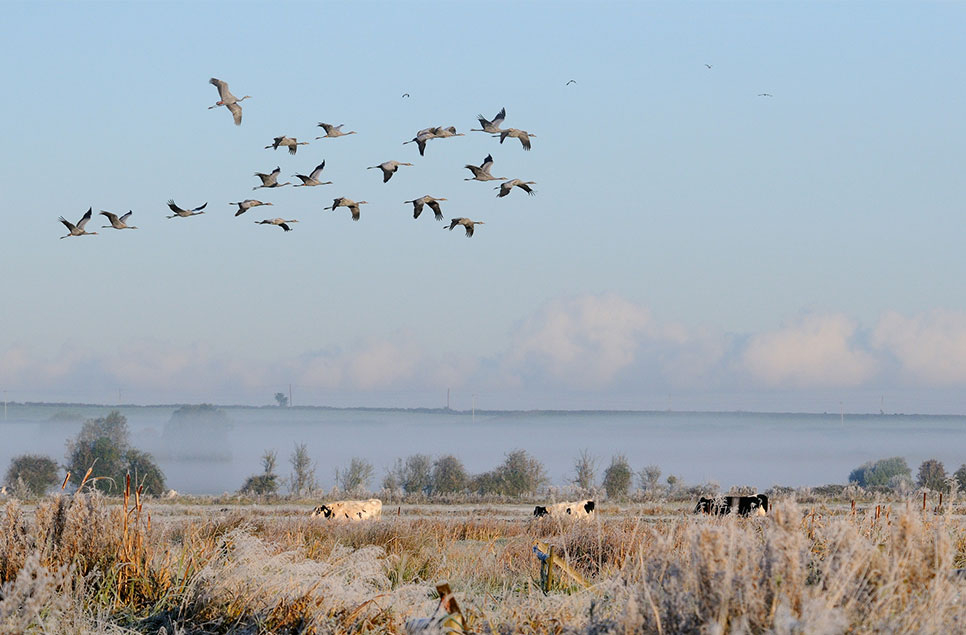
x=75 y=560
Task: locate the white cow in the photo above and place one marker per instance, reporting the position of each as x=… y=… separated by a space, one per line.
x=576 y=509
x=350 y=510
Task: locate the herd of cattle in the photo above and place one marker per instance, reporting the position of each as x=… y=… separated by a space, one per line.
x=742 y=505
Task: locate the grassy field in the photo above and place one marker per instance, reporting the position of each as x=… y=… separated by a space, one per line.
x=92 y=564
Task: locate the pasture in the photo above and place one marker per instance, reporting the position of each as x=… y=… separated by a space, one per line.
x=96 y=564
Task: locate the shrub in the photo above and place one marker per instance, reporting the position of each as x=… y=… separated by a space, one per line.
x=649 y=477
x=618 y=477
x=266 y=483
x=414 y=475
x=33 y=472
x=960 y=476
x=520 y=474
x=880 y=473
x=103 y=446
x=144 y=471
x=932 y=474
x=449 y=475
x=356 y=476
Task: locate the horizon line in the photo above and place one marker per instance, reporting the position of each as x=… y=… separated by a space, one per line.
x=447 y=410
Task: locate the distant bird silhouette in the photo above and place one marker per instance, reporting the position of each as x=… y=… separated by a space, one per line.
x=247 y=204
x=765 y=95
x=405 y=95
x=505 y=188
x=427 y=200
x=388 y=169
x=491 y=126
x=465 y=222
x=708 y=65
x=347 y=202
x=333 y=131
x=278 y=222
x=228 y=100
x=117 y=222
x=271 y=179
x=522 y=135
x=78 y=229
x=184 y=213
x=573 y=81
x=289 y=142
x=482 y=172
x=313 y=178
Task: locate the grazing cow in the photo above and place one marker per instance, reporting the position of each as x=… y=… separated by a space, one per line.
x=743 y=505
x=350 y=510
x=577 y=509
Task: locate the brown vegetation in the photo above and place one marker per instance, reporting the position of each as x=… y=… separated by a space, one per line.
x=87 y=563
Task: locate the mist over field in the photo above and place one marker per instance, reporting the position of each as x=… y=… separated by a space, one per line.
x=760 y=450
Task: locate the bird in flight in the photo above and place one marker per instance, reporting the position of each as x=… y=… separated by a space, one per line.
x=184 y=213
x=228 y=100
x=482 y=171
x=466 y=223
x=404 y=95
x=573 y=81
x=427 y=200
x=388 y=169
x=491 y=126
x=278 y=222
x=333 y=131
x=707 y=65
x=765 y=95
x=506 y=188
x=270 y=180
x=313 y=178
x=116 y=221
x=348 y=202
x=522 y=135
x=78 y=229
x=247 y=204
x=289 y=142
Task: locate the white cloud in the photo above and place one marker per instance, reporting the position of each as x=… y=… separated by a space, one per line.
x=819 y=351
x=583 y=347
x=585 y=341
x=930 y=347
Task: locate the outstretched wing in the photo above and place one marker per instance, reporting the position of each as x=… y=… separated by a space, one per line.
x=500 y=116
x=126 y=216
x=434 y=205
x=198 y=209
x=84 y=219
x=223 y=91
x=318 y=170
x=236 y=112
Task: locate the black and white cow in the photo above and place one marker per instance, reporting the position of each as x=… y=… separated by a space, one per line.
x=743 y=505
x=577 y=509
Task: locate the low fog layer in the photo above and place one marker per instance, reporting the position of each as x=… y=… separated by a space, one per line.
x=216 y=454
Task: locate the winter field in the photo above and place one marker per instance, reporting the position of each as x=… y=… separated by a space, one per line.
x=95 y=564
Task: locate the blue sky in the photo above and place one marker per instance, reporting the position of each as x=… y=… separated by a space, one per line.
x=690 y=242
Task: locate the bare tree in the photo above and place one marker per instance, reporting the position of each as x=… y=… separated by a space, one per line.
x=302 y=480
x=356 y=476
x=585 y=470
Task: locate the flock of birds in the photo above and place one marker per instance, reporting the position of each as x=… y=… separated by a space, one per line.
x=481 y=172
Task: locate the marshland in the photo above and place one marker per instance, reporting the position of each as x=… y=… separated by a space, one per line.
x=92 y=563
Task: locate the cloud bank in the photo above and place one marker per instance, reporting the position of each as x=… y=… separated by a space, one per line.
x=598 y=346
